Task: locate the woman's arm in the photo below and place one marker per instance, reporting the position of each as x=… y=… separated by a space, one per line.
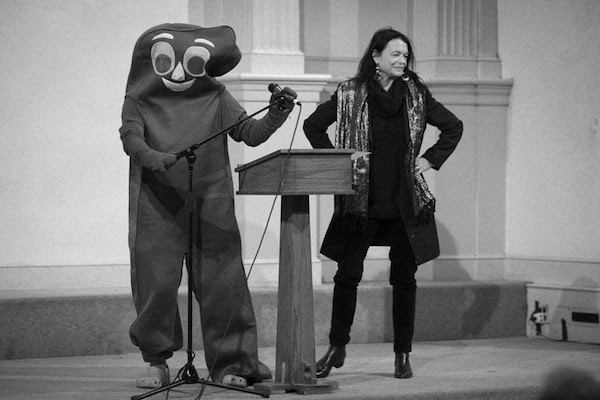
x=315 y=126
x=450 y=127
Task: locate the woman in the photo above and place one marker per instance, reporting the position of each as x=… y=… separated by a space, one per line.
x=382 y=111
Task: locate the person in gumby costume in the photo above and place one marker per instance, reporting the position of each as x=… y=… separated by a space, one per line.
x=173 y=102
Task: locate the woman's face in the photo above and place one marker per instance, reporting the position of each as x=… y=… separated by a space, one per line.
x=392 y=60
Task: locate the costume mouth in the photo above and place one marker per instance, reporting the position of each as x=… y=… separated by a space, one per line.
x=178 y=87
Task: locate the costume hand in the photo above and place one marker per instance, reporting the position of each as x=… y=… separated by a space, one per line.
x=422 y=165
x=284 y=100
x=158 y=161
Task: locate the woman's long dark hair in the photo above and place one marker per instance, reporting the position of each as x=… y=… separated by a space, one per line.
x=366 y=68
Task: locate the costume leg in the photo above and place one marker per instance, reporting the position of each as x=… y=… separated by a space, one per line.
x=402 y=279
x=156 y=260
x=228 y=320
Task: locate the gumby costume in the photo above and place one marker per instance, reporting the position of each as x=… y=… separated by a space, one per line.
x=173 y=102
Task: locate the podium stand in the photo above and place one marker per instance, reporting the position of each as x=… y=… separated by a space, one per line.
x=296 y=174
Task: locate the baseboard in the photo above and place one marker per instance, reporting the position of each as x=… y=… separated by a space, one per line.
x=77 y=324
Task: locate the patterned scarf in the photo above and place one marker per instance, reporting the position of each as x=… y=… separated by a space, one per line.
x=353 y=132
x=422 y=198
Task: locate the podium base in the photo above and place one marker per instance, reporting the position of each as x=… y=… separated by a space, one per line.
x=322 y=386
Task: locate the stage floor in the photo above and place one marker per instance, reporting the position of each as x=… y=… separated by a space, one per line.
x=507 y=368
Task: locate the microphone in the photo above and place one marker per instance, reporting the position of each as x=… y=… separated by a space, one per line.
x=286 y=93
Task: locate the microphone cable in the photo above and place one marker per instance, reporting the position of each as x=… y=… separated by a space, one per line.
x=279 y=190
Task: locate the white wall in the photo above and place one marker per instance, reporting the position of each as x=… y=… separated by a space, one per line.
x=551 y=49
x=63 y=173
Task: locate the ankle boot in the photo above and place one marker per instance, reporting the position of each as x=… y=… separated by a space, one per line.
x=402 y=364
x=334 y=357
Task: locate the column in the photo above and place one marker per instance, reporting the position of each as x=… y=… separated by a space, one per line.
x=456 y=47
x=455 y=38
x=268 y=35
x=267 y=32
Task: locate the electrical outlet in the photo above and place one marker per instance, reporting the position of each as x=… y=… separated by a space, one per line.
x=539 y=317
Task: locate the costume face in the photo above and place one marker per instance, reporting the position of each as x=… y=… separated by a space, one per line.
x=178 y=57
x=179 y=72
x=392 y=60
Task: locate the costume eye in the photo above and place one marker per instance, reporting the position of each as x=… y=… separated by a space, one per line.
x=163 y=58
x=195 y=59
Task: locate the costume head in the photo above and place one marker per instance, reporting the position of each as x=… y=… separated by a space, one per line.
x=172 y=59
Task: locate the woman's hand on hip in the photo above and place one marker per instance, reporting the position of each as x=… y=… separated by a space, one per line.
x=422 y=165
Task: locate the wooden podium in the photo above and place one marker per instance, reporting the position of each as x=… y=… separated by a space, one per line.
x=296 y=174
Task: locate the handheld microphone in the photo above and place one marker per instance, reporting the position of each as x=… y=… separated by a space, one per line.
x=287 y=93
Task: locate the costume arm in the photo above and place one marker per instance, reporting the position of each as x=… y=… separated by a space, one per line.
x=450 y=127
x=315 y=126
x=132 y=136
x=253 y=131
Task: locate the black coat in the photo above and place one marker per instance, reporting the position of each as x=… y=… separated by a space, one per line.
x=422 y=234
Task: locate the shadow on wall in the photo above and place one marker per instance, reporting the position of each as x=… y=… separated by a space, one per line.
x=447 y=268
x=482 y=303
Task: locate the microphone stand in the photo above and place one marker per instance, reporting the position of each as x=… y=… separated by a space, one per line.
x=188 y=374
x=183 y=153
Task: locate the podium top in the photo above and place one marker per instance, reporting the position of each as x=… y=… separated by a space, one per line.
x=298 y=172
x=295 y=153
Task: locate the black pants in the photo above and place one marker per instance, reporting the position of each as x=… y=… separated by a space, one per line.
x=402 y=278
